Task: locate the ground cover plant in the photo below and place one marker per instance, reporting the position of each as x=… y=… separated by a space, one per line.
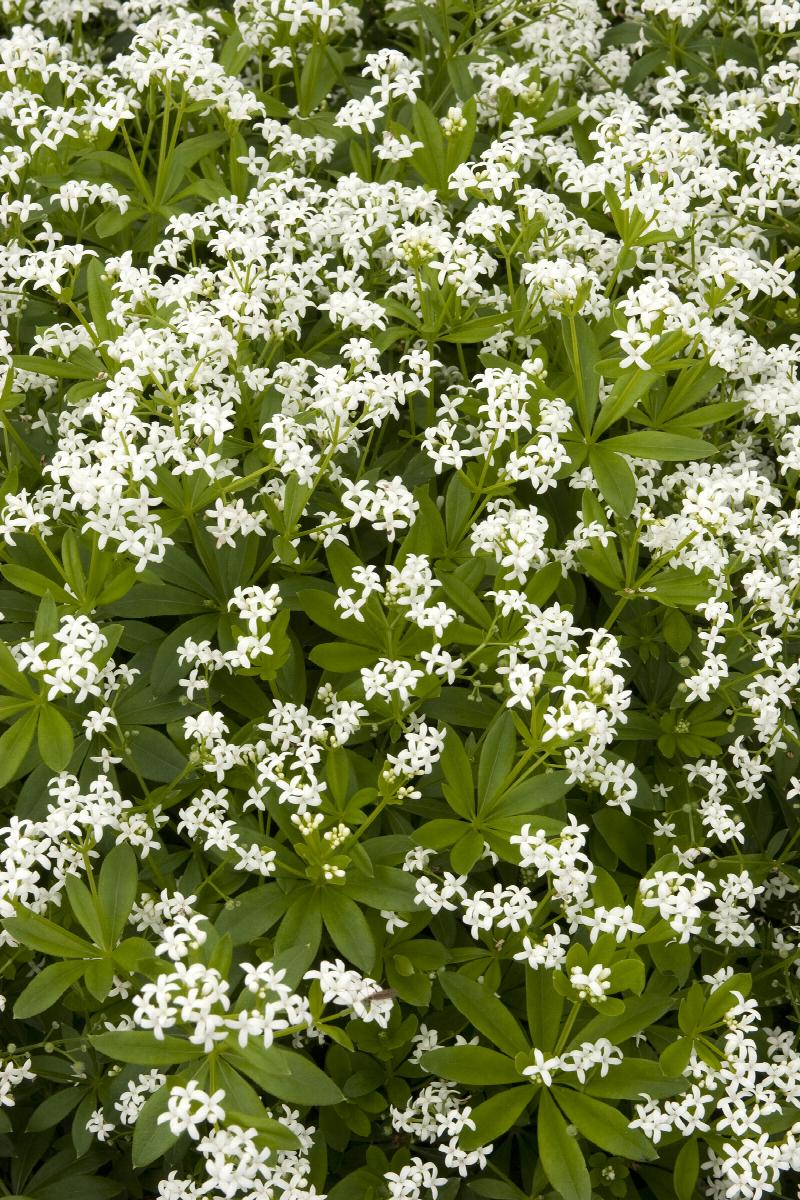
x=400 y=595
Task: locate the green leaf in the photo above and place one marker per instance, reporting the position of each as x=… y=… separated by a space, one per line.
x=691 y=386
x=457 y=770
x=14 y=745
x=265 y=1061
x=117 y=889
x=627 y=390
x=458 y=503
x=119 y=586
x=338 y=775
x=528 y=796
x=723 y=998
x=483 y=1010
x=626 y=836
x=544 y=1007
x=478 y=329
x=465 y=600
x=167 y=669
x=83 y=906
x=677 y=631
x=286 y=1075
x=582 y=353
x=81 y=1137
x=71 y=561
x=299 y=934
x=687 y=1170
x=343 y=657
x=9 y=399
x=99 y=295
x=497 y=757
x=679 y=588
x=152 y=1140
x=555 y=120
x=48 y=938
x=631 y=1077
x=429 y=162
x=47 y=987
x=318 y=605
x=664 y=447
x=601 y=563
x=250 y=914
x=46 y=618
x=274 y=1133
x=560 y=1154
x=304 y=1082
x=691 y=1006
x=495 y=1116
x=187 y=154
x=709 y=414
x=57 y=1106
x=133 y=951
x=605 y=1126
x=154 y=755
x=458 y=70
x=239 y=1094
x=320 y=71
x=144 y=1049
x=386 y=887
x=454 y=707
x=627 y=975
x=466 y=851
x=10 y=706
x=348 y=928
x=157 y=601
x=640 y=1011
x=11 y=678
x=674 y=1059
x=615 y=479
x=99 y=978
x=55 y=368
x=470 y=1064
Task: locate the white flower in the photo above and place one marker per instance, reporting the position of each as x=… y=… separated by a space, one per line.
x=188 y=1107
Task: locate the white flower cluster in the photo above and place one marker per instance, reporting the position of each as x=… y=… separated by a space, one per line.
x=38 y=855
x=747 y=1086
x=585 y=1058
x=437 y=1114
x=234 y=1161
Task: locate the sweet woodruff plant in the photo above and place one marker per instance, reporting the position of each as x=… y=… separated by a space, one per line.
x=400 y=597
